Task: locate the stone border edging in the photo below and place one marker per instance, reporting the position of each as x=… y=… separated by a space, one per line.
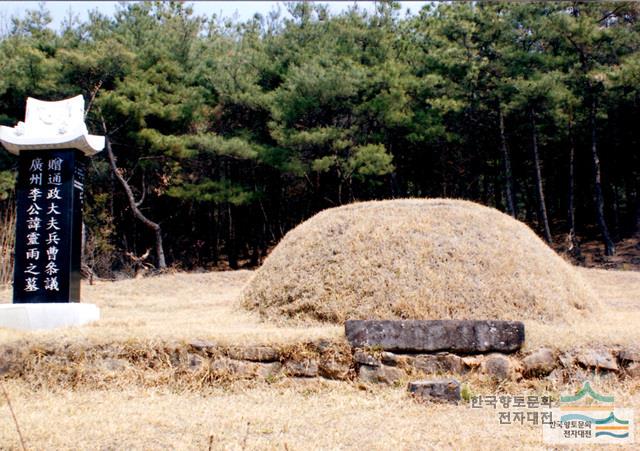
x=198 y=363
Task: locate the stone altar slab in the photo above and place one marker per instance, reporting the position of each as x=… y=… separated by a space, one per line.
x=416 y=336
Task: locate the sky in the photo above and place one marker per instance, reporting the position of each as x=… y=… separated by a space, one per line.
x=244 y=9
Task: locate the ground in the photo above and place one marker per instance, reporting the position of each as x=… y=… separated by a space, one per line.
x=288 y=415
x=592 y=255
x=326 y=416
x=186 y=306
x=282 y=414
x=180 y=306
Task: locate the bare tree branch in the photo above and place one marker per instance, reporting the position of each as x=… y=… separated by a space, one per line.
x=132 y=202
x=94 y=93
x=144 y=192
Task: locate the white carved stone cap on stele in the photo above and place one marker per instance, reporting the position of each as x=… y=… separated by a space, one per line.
x=52 y=125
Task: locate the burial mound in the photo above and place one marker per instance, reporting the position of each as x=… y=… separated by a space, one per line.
x=416 y=259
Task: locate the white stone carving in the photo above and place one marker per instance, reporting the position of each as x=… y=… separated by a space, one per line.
x=52 y=125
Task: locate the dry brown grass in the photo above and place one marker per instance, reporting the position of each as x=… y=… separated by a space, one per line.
x=172 y=307
x=290 y=415
x=182 y=306
x=418 y=259
x=7 y=240
x=285 y=414
x=148 y=407
x=616 y=323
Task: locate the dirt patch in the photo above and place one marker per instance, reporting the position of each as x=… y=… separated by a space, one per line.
x=591 y=255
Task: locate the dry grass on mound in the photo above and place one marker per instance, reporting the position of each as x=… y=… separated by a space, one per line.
x=418 y=259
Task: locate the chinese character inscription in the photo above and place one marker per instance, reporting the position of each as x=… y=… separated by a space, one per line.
x=49 y=205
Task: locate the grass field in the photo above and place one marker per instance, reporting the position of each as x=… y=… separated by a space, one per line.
x=291 y=415
x=186 y=306
x=298 y=415
x=286 y=414
x=180 y=306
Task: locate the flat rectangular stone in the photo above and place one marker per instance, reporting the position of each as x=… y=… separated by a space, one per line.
x=304 y=368
x=254 y=353
x=461 y=336
x=436 y=390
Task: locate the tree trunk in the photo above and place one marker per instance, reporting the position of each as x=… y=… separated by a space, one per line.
x=394 y=189
x=616 y=211
x=506 y=159
x=232 y=245
x=134 y=205
x=634 y=193
x=542 y=206
x=571 y=212
x=637 y=218
x=609 y=247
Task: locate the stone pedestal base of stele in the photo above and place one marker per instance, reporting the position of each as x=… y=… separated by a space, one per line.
x=47 y=315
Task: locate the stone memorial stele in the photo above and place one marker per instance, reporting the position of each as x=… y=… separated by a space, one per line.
x=52 y=145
